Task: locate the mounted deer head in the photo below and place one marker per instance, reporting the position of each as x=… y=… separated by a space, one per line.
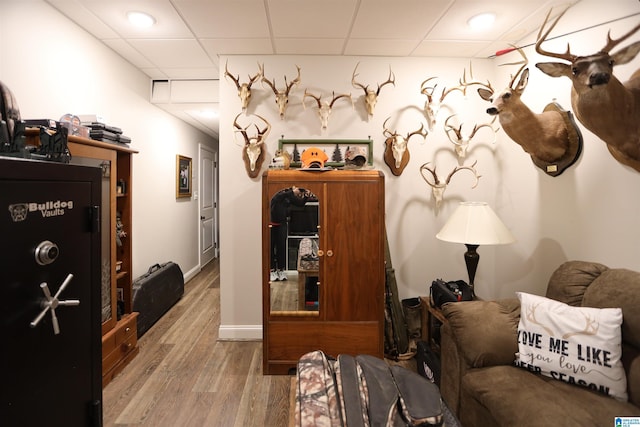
x=370 y=95
x=551 y=138
x=396 y=153
x=325 y=108
x=282 y=96
x=461 y=141
x=433 y=105
x=438 y=186
x=607 y=107
x=244 y=89
x=253 y=153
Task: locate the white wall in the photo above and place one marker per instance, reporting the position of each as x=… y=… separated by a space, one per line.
x=589 y=212
x=54 y=67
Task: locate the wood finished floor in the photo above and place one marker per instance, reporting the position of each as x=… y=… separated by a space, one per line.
x=184 y=376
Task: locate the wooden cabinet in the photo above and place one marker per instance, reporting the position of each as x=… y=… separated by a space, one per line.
x=348 y=314
x=118 y=320
x=119 y=336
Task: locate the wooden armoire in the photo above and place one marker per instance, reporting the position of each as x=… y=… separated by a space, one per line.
x=345 y=314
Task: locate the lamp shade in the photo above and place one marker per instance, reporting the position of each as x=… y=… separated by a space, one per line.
x=475 y=223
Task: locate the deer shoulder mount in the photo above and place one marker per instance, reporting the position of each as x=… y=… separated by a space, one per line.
x=461 y=141
x=439 y=185
x=244 y=89
x=396 y=151
x=551 y=138
x=325 y=107
x=604 y=105
x=253 y=152
x=433 y=104
x=282 y=95
x=370 y=95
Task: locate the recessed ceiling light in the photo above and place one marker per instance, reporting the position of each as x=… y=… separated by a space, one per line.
x=482 y=21
x=141 y=19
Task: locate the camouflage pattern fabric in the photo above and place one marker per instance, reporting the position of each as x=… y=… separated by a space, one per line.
x=316 y=394
x=363 y=391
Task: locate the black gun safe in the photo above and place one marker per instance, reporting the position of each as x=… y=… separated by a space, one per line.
x=50 y=294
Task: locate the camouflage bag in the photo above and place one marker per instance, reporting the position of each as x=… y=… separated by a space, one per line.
x=363 y=391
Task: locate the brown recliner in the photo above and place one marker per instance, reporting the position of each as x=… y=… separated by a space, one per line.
x=482 y=386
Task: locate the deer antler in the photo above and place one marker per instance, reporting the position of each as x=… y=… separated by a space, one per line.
x=307 y=94
x=370 y=96
x=568 y=56
x=523 y=63
x=531 y=317
x=591 y=327
x=464 y=83
x=282 y=96
x=438 y=187
x=471 y=168
x=294 y=82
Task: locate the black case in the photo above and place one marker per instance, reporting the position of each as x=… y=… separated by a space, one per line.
x=454 y=291
x=155 y=292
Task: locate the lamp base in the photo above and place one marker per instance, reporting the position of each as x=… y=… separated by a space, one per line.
x=471 y=258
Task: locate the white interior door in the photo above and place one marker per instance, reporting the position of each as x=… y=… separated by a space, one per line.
x=208 y=206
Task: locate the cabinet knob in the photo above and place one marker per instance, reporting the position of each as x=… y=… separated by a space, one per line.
x=329 y=252
x=320 y=252
x=127 y=329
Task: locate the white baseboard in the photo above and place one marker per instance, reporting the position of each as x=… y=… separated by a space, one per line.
x=240 y=333
x=191 y=273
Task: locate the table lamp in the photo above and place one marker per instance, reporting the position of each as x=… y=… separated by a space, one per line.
x=474 y=224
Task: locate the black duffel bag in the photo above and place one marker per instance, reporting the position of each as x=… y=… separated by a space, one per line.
x=442 y=292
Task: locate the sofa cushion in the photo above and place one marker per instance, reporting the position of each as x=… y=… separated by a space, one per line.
x=515 y=397
x=579 y=345
x=570 y=280
x=485 y=330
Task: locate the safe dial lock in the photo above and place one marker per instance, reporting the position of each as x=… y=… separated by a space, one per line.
x=46 y=252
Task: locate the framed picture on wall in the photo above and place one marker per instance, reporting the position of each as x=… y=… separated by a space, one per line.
x=183 y=176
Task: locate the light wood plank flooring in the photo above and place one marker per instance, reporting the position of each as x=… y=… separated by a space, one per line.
x=184 y=376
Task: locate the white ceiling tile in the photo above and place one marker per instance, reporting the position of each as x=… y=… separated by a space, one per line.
x=172 y=53
x=128 y=52
x=445 y=49
x=309 y=46
x=380 y=47
x=155 y=73
x=195 y=73
x=403 y=19
x=238 y=46
x=75 y=11
x=226 y=19
x=311 y=18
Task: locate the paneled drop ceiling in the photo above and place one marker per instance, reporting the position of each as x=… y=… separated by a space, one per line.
x=185 y=44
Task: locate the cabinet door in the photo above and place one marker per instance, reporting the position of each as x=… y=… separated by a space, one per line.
x=353 y=261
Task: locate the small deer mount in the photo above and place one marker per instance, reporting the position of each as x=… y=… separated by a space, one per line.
x=552 y=138
x=434 y=104
x=438 y=185
x=253 y=152
x=396 y=151
x=461 y=141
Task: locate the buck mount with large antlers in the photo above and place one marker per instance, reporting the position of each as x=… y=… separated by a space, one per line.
x=325 y=108
x=604 y=105
x=282 y=95
x=552 y=138
x=370 y=95
x=244 y=89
